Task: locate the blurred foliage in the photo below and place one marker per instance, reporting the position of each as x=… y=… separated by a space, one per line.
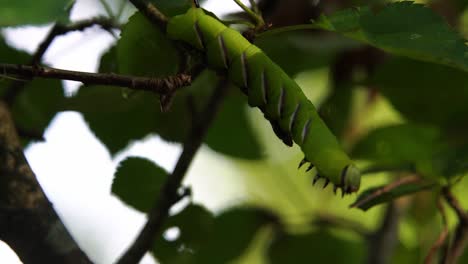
x=137 y=181
x=403 y=113
x=24 y=12
x=402 y=28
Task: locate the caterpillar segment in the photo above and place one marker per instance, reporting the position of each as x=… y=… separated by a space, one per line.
x=292 y=116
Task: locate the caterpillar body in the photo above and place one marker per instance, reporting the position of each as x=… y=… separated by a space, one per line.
x=293 y=117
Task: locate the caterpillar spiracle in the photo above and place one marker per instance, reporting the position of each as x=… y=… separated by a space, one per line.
x=268 y=87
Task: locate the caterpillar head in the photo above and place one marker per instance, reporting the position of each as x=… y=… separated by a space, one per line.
x=350 y=179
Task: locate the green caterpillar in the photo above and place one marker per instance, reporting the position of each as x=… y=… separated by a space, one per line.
x=268 y=87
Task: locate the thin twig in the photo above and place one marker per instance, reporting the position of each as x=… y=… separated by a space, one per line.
x=382 y=243
x=461 y=234
x=168 y=195
x=161 y=86
x=256 y=17
x=387 y=188
x=442 y=236
x=151 y=12
x=57 y=30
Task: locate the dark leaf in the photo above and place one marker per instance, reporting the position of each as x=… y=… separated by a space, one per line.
x=37 y=104
x=426 y=92
x=231 y=133
x=137 y=182
x=317 y=247
x=398 y=144
x=402 y=28
x=194 y=225
x=233 y=231
x=297 y=51
x=144 y=50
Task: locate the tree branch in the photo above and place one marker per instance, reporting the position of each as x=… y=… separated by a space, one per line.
x=151 y=12
x=57 y=30
x=168 y=195
x=161 y=86
x=60 y=29
x=28 y=222
x=382 y=243
x=458 y=244
x=442 y=236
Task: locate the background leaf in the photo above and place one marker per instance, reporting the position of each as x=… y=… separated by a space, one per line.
x=398 y=145
x=426 y=92
x=144 y=50
x=402 y=28
x=37 y=104
x=21 y=12
x=316 y=247
x=195 y=224
x=137 y=182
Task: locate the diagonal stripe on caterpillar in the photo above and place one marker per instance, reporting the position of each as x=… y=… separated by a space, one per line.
x=292 y=116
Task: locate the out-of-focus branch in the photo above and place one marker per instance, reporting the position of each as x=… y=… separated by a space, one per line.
x=460 y=240
x=442 y=236
x=57 y=30
x=381 y=244
x=28 y=222
x=161 y=86
x=151 y=12
x=169 y=195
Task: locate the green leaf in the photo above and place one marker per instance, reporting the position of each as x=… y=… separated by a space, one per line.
x=316 y=247
x=288 y=49
x=195 y=225
x=398 y=145
x=426 y=92
x=21 y=12
x=231 y=133
x=402 y=28
x=114 y=119
x=10 y=55
x=137 y=182
x=374 y=196
x=118 y=115
x=172 y=7
x=336 y=110
x=144 y=50
x=233 y=231
x=37 y=104
x=448 y=163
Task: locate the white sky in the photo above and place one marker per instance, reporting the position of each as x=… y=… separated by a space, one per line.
x=76 y=171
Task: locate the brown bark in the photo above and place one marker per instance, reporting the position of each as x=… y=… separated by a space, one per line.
x=28 y=222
